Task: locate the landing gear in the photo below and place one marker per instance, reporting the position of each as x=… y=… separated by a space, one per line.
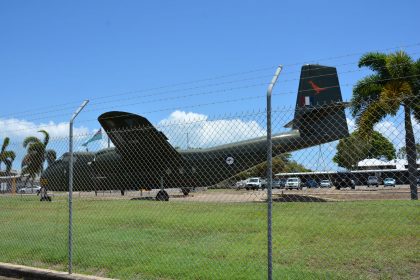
x=162 y=196
x=185 y=191
x=44 y=195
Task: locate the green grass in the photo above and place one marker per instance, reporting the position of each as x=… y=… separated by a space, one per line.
x=183 y=240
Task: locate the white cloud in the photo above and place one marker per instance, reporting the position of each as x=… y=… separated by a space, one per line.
x=393 y=132
x=393 y=129
x=416 y=129
x=17 y=129
x=351 y=124
x=196 y=129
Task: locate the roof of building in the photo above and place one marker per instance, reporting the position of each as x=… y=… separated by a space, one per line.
x=373 y=162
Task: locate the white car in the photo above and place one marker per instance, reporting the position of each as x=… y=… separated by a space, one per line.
x=33 y=189
x=255 y=183
x=325 y=184
x=293 y=183
x=241 y=184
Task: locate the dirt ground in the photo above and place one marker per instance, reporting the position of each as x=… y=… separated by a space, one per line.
x=315 y=195
x=232 y=195
x=401 y=192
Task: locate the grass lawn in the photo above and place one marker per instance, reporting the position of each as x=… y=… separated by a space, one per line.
x=184 y=240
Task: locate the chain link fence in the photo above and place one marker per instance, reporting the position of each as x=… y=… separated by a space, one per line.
x=185 y=198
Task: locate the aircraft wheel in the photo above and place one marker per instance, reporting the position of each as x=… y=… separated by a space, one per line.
x=162 y=196
x=185 y=191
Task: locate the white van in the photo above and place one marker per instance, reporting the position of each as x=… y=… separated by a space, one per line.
x=293 y=183
x=255 y=183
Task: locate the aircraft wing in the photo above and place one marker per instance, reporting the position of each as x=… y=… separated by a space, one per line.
x=138 y=141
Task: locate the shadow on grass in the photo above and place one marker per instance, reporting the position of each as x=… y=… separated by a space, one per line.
x=144 y=198
x=297 y=198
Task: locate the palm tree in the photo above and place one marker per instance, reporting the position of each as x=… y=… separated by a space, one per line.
x=395 y=83
x=37 y=153
x=6 y=157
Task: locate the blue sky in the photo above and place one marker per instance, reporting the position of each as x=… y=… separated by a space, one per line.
x=55 y=54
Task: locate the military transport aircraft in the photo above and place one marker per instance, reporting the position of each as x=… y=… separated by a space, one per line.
x=144 y=159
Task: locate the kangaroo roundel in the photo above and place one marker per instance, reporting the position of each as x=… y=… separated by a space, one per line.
x=230 y=160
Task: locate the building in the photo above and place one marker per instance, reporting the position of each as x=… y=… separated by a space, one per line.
x=377 y=164
x=396 y=168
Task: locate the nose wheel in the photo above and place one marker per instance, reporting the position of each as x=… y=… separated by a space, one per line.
x=162 y=195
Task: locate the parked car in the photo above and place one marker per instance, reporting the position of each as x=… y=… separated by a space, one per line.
x=325 y=184
x=389 y=182
x=255 y=183
x=279 y=183
x=311 y=183
x=344 y=182
x=241 y=184
x=373 y=181
x=32 y=189
x=293 y=183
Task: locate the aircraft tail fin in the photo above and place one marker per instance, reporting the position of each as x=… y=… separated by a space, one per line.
x=319 y=112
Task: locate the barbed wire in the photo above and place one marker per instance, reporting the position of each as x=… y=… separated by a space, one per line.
x=214 y=78
x=163 y=110
x=212 y=103
x=157 y=100
x=198 y=94
x=205 y=104
x=280 y=109
x=161 y=93
x=212 y=92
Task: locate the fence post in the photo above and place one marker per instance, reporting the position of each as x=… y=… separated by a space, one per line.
x=70 y=249
x=269 y=175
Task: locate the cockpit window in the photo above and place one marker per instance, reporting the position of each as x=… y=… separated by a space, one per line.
x=66 y=158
